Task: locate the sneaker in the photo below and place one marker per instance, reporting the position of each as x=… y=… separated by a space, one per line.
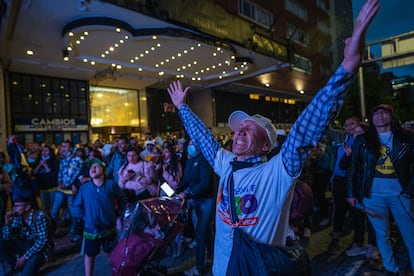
x=372 y=252
x=356 y=250
x=75 y=239
x=333 y=247
x=192 y=244
x=324 y=222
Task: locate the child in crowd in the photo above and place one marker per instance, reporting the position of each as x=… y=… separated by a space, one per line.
x=95 y=203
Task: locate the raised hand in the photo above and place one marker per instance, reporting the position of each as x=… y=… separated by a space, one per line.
x=354 y=45
x=177 y=93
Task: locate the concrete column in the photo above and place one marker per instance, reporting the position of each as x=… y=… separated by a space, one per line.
x=201 y=102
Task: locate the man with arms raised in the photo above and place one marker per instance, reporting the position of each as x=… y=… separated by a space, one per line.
x=263 y=192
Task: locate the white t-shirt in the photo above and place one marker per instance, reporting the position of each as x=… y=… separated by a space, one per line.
x=263 y=196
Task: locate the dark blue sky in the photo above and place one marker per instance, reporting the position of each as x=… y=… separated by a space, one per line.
x=394 y=17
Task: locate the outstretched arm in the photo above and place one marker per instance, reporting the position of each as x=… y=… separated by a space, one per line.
x=313 y=122
x=195 y=128
x=354 y=45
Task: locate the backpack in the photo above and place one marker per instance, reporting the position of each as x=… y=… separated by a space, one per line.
x=302 y=202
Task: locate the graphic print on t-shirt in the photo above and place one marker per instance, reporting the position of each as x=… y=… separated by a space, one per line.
x=245 y=204
x=384 y=167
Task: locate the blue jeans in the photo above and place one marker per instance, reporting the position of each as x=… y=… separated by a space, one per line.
x=204 y=210
x=402 y=209
x=60 y=199
x=47 y=199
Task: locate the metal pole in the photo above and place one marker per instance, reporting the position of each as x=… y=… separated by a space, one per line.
x=361 y=92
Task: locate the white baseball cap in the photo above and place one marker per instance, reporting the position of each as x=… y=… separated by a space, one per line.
x=238 y=117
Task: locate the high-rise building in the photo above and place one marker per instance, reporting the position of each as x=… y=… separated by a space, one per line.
x=342 y=26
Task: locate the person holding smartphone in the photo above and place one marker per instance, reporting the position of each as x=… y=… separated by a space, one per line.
x=137 y=177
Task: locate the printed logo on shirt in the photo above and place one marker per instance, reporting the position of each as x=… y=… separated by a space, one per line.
x=245 y=204
x=384 y=165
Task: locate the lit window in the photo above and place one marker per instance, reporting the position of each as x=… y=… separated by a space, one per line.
x=254 y=96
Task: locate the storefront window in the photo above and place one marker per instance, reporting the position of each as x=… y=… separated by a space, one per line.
x=114 y=107
x=48 y=109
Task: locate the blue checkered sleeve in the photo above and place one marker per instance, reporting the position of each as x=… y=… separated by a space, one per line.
x=199 y=134
x=39 y=234
x=311 y=125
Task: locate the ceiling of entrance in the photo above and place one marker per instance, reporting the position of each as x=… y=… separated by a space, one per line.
x=112 y=46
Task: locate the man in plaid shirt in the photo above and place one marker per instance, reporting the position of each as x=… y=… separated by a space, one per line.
x=263 y=192
x=26 y=240
x=70 y=168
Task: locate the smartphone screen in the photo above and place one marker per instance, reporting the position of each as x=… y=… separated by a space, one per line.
x=167 y=189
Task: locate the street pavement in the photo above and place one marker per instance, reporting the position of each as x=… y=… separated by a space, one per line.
x=68 y=261
x=322 y=263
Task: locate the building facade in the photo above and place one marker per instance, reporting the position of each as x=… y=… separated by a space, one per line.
x=86 y=70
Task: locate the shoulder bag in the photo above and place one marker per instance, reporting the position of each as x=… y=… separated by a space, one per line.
x=249 y=257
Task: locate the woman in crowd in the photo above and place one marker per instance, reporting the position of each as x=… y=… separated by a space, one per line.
x=171 y=169
x=45 y=174
x=137 y=177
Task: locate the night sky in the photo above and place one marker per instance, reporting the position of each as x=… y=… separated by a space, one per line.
x=394 y=17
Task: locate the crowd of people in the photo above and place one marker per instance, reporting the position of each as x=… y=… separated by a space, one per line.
x=57 y=180
x=368 y=168
x=138 y=168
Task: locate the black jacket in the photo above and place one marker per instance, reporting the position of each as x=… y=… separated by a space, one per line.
x=197 y=180
x=362 y=169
